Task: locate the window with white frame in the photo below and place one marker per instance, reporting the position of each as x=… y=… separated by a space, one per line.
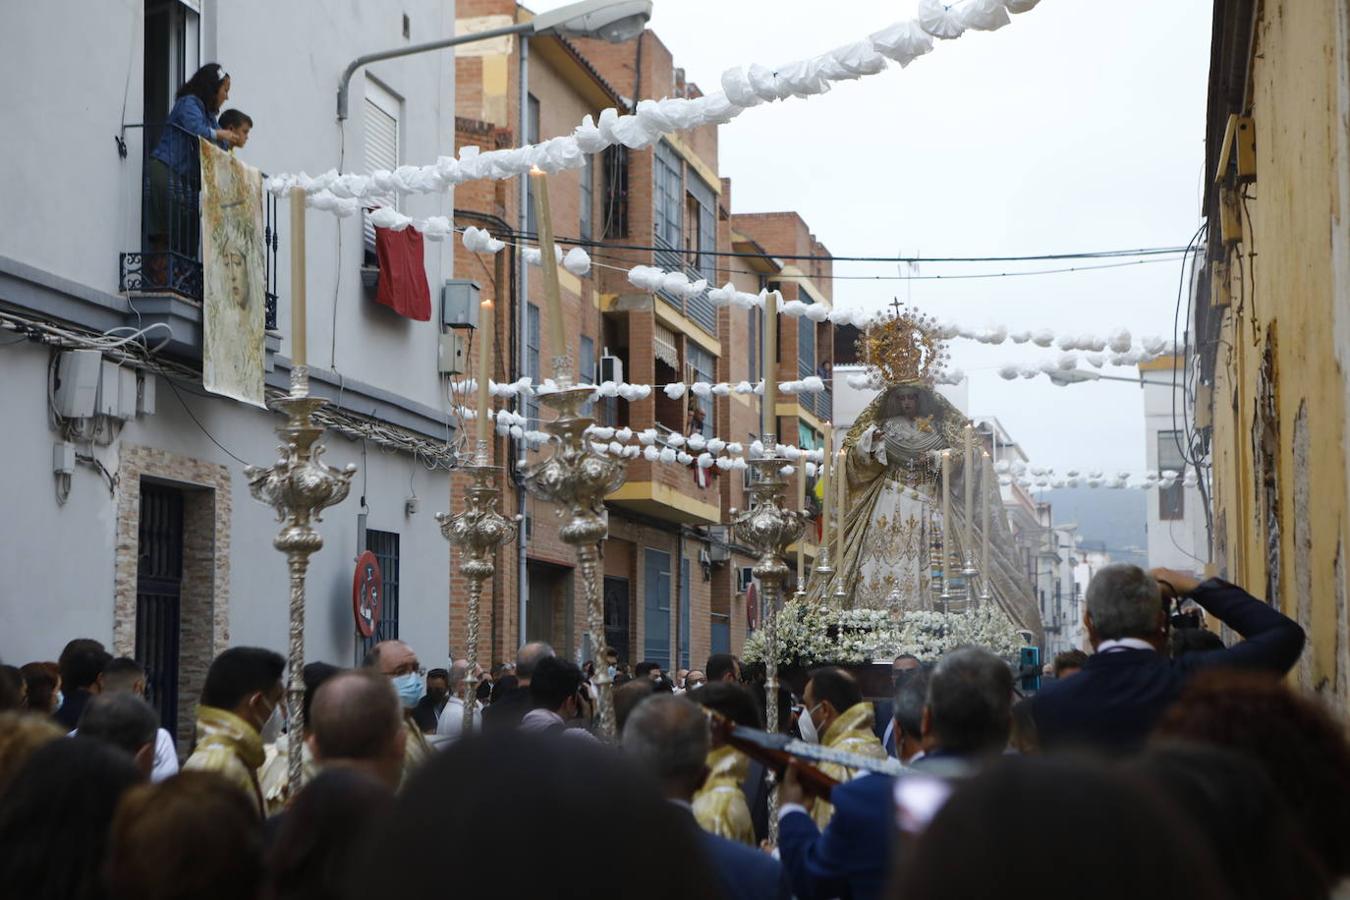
x=381 y=113
x=667 y=197
x=701 y=367
x=1171 y=500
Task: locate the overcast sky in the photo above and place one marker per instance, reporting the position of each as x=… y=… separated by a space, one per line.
x=1080 y=126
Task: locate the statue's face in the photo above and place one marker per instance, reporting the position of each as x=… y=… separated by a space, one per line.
x=909 y=405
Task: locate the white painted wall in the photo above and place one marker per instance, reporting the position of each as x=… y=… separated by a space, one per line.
x=74 y=73
x=1179 y=543
x=60 y=559
x=71 y=204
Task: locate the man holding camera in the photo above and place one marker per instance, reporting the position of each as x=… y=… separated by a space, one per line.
x=1113 y=703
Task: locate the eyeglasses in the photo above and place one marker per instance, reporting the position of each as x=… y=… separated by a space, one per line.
x=408 y=668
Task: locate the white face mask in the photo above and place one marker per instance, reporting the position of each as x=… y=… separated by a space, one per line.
x=807 y=726
x=271 y=730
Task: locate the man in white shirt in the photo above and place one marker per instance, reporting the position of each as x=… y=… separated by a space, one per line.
x=450 y=723
x=125 y=675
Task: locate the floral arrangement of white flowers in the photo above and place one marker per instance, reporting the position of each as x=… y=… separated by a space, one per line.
x=815 y=634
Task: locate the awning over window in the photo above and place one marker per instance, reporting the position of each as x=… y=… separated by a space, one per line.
x=664 y=347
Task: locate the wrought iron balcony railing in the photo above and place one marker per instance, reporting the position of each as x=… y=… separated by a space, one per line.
x=700 y=309
x=169 y=259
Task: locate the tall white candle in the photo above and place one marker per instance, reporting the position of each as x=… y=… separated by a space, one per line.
x=770 y=366
x=826 y=460
x=969 y=478
x=841 y=486
x=801 y=543
x=485 y=323
x=984 y=514
x=946 y=517
x=548 y=261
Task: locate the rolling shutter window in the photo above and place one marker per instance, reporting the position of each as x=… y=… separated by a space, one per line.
x=381 y=136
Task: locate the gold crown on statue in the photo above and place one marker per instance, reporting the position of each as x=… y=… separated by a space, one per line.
x=904 y=347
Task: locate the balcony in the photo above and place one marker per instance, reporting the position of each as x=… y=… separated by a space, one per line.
x=164 y=274
x=821 y=404
x=699 y=310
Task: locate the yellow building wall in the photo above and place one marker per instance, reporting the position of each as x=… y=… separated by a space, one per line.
x=1284 y=294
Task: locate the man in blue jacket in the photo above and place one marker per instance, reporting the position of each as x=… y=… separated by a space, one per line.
x=1114 y=702
x=668 y=736
x=966 y=720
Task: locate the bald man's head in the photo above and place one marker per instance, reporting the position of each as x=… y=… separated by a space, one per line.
x=528 y=658
x=356 y=718
x=392 y=658
x=668 y=736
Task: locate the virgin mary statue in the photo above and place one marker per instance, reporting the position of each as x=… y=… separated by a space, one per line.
x=899 y=553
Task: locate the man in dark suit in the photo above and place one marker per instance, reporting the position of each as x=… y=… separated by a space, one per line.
x=966 y=719
x=505 y=712
x=1114 y=702
x=668 y=736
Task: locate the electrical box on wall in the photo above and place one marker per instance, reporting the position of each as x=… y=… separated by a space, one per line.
x=77 y=377
x=459 y=303
x=145 y=394
x=452 y=355
x=109 y=383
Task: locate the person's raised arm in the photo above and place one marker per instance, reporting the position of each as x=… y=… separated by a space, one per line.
x=1271 y=640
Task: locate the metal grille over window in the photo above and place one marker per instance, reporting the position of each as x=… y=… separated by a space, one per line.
x=384 y=544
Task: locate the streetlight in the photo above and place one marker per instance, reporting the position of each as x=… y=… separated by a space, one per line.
x=615 y=21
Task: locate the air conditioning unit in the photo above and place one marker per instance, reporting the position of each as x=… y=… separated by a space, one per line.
x=719 y=543
x=459 y=303
x=611 y=368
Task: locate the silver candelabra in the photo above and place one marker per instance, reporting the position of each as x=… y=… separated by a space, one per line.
x=478 y=531
x=577 y=479
x=299 y=486
x=768 y=527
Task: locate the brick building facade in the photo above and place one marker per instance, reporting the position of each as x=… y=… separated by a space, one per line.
x=675 y=580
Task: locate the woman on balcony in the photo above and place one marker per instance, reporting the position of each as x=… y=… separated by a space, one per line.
x=172 y=172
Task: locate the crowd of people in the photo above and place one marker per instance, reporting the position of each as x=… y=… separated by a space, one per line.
x=1153 y=767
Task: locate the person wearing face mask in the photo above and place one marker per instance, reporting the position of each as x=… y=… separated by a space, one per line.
x=398 y=662
x=836 y=716
x=240 y=710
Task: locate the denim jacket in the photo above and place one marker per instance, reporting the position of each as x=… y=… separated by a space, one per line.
x=177 y=146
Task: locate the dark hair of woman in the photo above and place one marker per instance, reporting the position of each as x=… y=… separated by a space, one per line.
x=1237 y=808
x=535 y=787
x=11 y=688
x=1114 y=836
x=1300 y=746
x=41 y=681
x=323 y=833
x=193 y=836
x=55 y=815
x=205 y=86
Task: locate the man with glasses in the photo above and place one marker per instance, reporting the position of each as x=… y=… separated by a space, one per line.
x=398 y=662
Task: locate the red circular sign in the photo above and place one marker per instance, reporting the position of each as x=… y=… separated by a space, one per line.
x=367 y=593
x=751 y=607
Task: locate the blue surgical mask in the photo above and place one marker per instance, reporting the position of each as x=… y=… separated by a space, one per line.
x=411 y=688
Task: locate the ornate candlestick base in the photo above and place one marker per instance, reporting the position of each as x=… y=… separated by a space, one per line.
x=578 y=479
x=299 y=486
x=768 y=528
x=478 y=531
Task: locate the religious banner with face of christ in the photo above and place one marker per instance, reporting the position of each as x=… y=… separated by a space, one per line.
x=233 y=287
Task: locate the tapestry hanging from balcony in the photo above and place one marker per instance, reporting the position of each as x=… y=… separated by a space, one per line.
x=233 y=280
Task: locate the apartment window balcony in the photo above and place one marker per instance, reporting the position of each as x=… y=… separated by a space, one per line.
x=820 y=404
x=168 y=262
x=699 y=310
